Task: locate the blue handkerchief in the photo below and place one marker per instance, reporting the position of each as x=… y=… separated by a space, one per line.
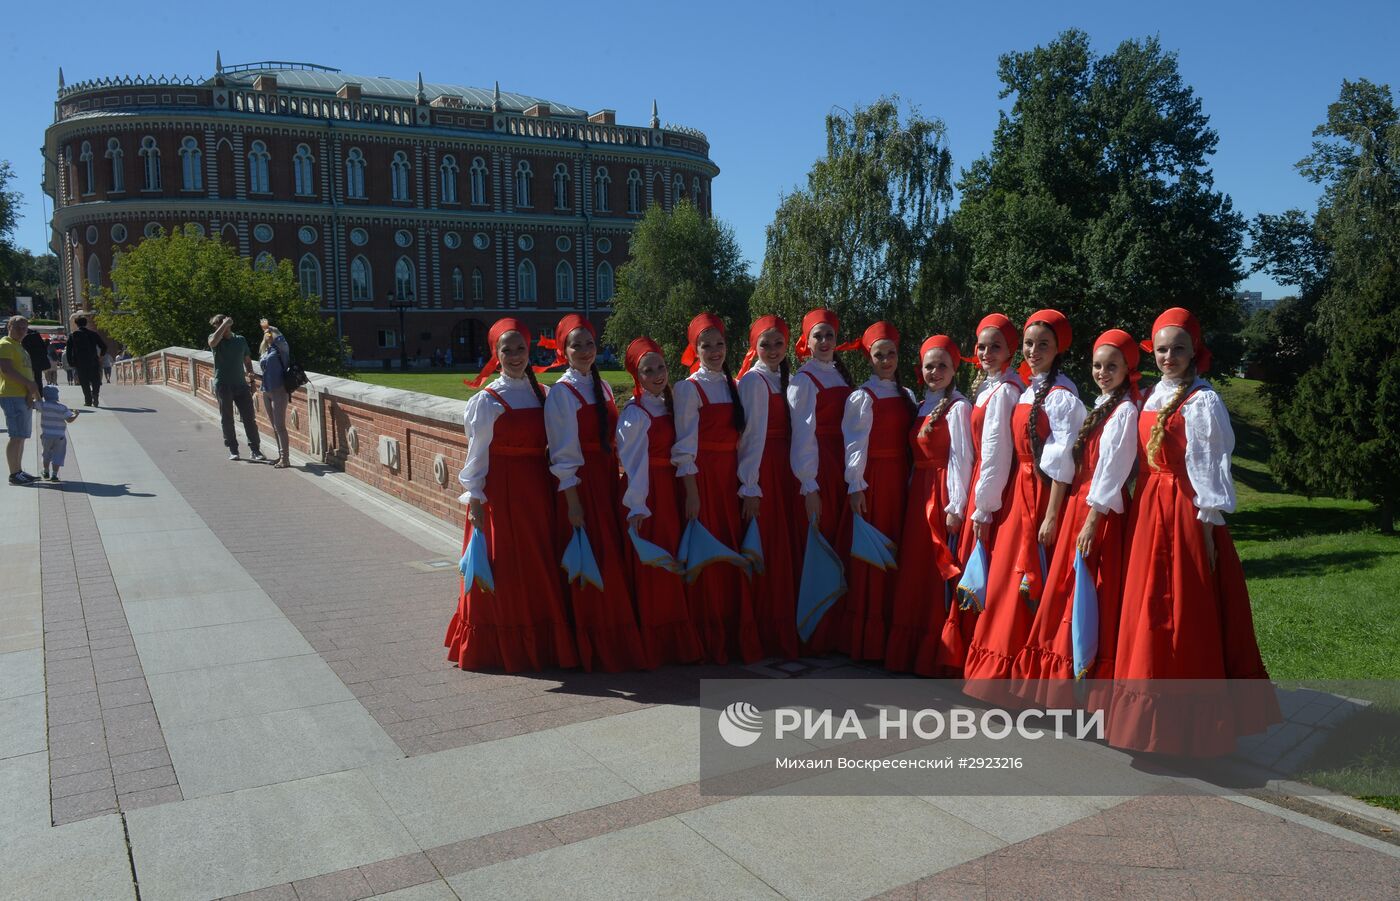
x=699 y=549
x=475 y=565
x=870 y=545
x=823 y=582
x=579 y=563
x=652 y=554
x=1084 y=618
x=752 y=548
x=972 y=587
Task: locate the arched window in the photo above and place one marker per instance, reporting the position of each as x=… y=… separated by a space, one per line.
x=258 y=180
x=191 y=165
x=302 y=171
x=561 y=187
x=478 y=284
x=564 y=283
x=355 y=174
x=695 y=191
x=634 y=191
x=94 y=274
x=601 y=182
x=459 y=285
x=361 y=279
x=523 y=176
x=85 y=157
x=678 y=190
x=405 y=280
x=605 y=282
x=309 y=275
x=264 y=261
x=150 y=157
x=447 y=171
x=478 y=173
x=398 y=176
x=526 y=282
x=114 y=153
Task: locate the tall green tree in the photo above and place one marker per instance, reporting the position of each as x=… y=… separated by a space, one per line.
x=868 y=235
x=681 y=263
x=165 y=289
x=9 y=218
x=1097 y=197
x=1338 y=431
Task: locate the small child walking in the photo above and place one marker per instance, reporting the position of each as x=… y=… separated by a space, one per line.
x=53 y=431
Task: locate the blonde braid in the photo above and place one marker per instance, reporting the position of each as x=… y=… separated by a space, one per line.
x=937 y=412
x=977 y=383
x=1159 y=428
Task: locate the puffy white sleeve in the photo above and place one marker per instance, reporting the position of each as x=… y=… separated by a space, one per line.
x=1066 y=413
x=856 y=421
x=633 y=444
x=1210 y=439
x=959 y=456
x=1117 y=454
x=997 y=453
x=802 y=400
x=685 y=401
x=561 y=429
x=753 y=394
x=479 y=422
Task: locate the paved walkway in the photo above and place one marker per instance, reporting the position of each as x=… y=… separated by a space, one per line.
x=219 y=678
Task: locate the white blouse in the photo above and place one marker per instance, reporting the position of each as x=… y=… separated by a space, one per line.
x=685 y=398
x=633 y=448
x=1210 y=440
x=959 y=419
x=755 y=387
x=1118 y=440
x=561 y=424
x=1066 y=415
x=857 y=420
x=998 y=394
x=479 y=421
x=802 y=399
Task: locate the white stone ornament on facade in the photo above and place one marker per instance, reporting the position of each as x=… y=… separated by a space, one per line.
x=440 y=470
x=389 y=451
x=352 y=440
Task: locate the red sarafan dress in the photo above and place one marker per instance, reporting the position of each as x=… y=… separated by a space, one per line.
x=1004 y=626
x=876 y=429
x=721 y=605
x=923 y=596
x=765 y=466
x=524 y=624
x=1182 y=620
x=605 y=623
x=1109 y=458
x=644 y=439
x=819 y=446
x=995 y=400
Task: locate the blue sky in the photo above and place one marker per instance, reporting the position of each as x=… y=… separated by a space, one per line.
x=757 y=77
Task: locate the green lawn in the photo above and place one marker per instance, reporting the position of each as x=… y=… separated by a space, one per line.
x=448 y=383
x=1325 y=586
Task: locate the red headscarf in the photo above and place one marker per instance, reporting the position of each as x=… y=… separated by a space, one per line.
x=699 y=324
x=880 y=331
x=493 y=338
x=945 y=344
x=1001 y=323
x=1058 y=324
x=1116 y=337
x=761 y=325
x=1183 y=319
x=561 y=336
x=814 y=318
x=639 y=348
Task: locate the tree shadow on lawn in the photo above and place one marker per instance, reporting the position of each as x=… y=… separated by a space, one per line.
x=1275 y=523
x=1294 y=565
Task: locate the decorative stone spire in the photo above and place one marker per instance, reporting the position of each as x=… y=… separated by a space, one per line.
x=218 y=63
x=496 y=99
x=422 y=98
x=60 y=78
x=655 y=120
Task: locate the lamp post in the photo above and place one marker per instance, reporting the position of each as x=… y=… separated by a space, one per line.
x=402 y=304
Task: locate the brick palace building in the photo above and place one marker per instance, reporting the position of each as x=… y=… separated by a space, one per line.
x=456 y=204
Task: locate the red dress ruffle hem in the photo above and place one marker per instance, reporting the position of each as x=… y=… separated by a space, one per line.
x=831 y=483
x=775 y=591
x=524 y=624
x=721 y=606
x=667 y=633
x=605 y=624
x=866 y=609
x=1183 y=621
x=923 y=599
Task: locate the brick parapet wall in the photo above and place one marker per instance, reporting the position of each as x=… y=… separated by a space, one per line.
x=424 y=431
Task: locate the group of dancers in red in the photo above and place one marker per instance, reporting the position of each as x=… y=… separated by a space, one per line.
x=1023 y=471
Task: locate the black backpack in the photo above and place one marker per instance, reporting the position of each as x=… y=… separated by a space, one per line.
x=293 y=376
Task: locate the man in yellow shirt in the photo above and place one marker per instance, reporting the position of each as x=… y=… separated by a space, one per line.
x=18 y=394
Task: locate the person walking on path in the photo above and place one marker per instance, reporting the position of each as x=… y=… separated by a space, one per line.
x=276 y=355
x=107 y=368
x=38 y=350
x=233 y=384
x=53 y=431
x=18 y=394
x=85 y=351
x=54 y=349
